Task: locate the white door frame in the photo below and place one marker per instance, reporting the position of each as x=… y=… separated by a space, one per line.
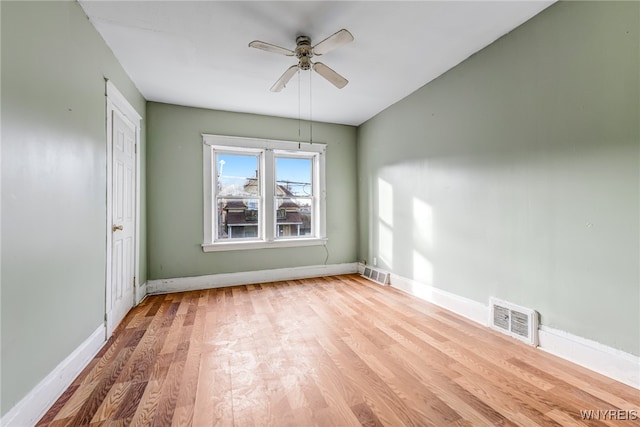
x=116 y=101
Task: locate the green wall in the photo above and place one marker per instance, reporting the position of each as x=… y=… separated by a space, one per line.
x=516 y=174
x=53 y=186
x=175 y=205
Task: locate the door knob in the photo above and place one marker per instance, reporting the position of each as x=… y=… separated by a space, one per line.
x=116 y=228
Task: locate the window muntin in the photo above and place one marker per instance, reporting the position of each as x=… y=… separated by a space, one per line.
x=277 y=197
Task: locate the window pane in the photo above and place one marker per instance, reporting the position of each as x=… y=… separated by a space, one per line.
x=238 y=218
x=237 y=175
x=293 y=217
x=293 y=177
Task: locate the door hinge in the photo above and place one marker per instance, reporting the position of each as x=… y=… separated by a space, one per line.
x=135 y=148
x=134 y=281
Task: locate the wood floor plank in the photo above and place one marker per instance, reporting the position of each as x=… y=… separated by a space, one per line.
x=145 y=411
x=327 y=351
x=60 y=403
x=111 y=402
x=130 y=403
x=564 y=419
x=102 y=388
x=213 y=396
x=167 y=403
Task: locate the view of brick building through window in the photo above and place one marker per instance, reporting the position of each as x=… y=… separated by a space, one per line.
x=239 y=197
x=239 y=218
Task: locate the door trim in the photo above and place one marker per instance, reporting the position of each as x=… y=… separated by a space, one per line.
x=116 y=101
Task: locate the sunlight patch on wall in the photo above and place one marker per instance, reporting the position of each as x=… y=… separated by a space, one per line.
x=385 y=202
x=385 y=244
x=385 y=222
x=423 y=223
x=422 y=268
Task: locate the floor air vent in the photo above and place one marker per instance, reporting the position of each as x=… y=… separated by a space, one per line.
x=378 y=276
x=519 y=322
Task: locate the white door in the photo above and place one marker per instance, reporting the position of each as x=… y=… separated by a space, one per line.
x=121 y=295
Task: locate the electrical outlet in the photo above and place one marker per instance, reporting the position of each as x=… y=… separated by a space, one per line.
x=375 y=261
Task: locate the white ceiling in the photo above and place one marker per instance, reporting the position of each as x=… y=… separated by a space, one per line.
x=196 y=53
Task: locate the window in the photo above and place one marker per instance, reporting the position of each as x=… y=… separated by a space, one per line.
x=262 y=193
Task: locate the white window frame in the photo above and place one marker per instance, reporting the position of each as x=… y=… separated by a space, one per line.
x=268 y=149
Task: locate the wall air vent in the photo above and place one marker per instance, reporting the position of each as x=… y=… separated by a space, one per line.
x=378 y=276
x=513 y=320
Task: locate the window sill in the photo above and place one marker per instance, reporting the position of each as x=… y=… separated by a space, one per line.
x=261 y=244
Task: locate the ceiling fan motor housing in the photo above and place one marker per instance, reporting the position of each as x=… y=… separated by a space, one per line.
x=304 y=52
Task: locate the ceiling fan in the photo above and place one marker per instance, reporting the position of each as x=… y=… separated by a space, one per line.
x=304 y=52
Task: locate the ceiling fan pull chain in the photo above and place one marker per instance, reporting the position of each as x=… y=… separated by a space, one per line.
x=310 y=112
x=299 y=113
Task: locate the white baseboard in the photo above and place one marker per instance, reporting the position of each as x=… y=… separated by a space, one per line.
x=472 y=310
x=141 y=293
x=615 y=364
x=181 y=284
x=34 y=405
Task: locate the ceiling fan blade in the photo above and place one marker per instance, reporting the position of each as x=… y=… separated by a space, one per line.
x=334 y=78
x=284 y=79
x=271 y=48
x=332 y=42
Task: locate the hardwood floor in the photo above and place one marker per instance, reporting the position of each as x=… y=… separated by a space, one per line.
x=335 y=351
